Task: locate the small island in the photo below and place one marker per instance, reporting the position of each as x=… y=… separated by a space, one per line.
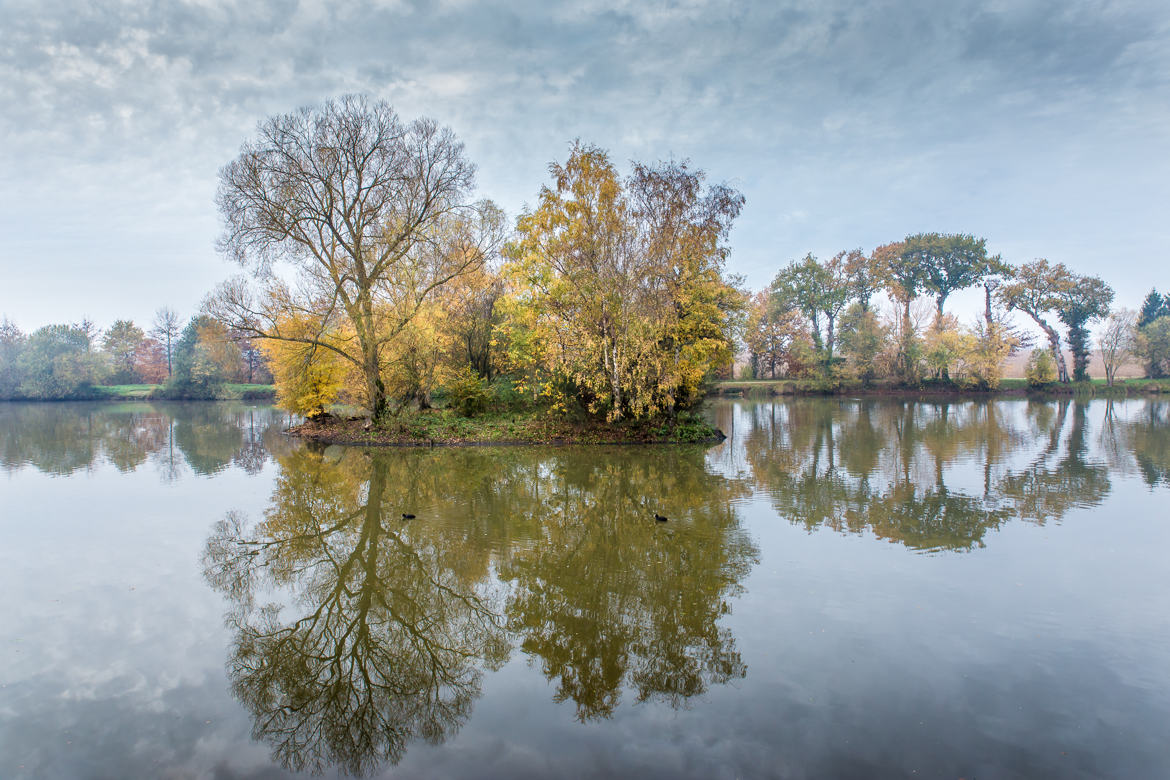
x=445 y=428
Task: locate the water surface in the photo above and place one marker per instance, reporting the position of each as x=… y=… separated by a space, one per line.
x=843 y=588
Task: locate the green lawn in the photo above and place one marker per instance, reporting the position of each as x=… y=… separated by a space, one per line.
x=138 y=392
x=771 y=387
x=126 y=391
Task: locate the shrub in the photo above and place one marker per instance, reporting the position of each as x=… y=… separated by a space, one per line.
x=468 y=393
x=1041 y=368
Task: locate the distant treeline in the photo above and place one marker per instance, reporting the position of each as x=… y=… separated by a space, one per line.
x=67 y=362
x=817 y=320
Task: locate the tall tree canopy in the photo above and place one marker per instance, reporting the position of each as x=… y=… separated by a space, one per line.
x=905 y=280
x=817 y=289
x=1036 y=289
x=57 y=362
x=864 y=275
x=1153 y=307
x=949 y=262
x=373 y=214
x=12 y=342
x=618 y=299
x=1086 y=298
x=121 y=343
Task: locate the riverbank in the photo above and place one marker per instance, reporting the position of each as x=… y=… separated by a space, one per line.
x=442 y=427
x=227 y=392
x=766 y=388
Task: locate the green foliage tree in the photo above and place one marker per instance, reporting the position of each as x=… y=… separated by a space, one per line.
x=864 y=275
x=948 y=262
x=905 y=279
x=1087 y=298
x=862 y=338
x=57 y=362
x=195 y=372
x=11 y=345
x=1153 y=345
x=820 y=291
x=800 y=285
x=1153 y=307
x=1041 y=368
x=121 y=343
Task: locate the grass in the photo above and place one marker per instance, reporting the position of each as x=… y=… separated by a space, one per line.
x=140 y=392
x=772 y=387
x=444 y=427
x=128 y=392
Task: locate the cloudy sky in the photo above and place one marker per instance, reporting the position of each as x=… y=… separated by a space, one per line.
x=1043 y=125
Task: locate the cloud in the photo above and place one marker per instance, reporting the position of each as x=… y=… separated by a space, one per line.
x=830 y=108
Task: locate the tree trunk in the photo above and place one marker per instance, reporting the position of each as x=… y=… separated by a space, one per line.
x=375 y=389
x=1078 y=342
x=907 y=369
x=818 y=343
x=829 y=344
x=1057 y=354
x=610 y=358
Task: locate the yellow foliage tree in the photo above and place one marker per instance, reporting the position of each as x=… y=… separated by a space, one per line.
x=308 y=377
x=418 y=361
x=618 y=301
x=948 y=349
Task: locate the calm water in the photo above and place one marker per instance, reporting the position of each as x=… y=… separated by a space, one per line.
x=844 y=589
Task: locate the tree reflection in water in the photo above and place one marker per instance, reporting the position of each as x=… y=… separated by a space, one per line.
x=357 y=632
x=610 y=598
x=388 y=645
x=63 y=438
x=885 y=467
x=1149 y=438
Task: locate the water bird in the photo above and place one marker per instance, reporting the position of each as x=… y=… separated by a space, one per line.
x=407 y=516
x=660 y=518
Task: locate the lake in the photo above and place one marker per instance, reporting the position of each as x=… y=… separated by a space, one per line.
x=843 y=588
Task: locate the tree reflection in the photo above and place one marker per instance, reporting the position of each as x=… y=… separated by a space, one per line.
x=611 y=598
x=887 y=467
x=1149 y=438
x=63 y=438
x=357 y=631
x=1057 y=481
x=385 y=645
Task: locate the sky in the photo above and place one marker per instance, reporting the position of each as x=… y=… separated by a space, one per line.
x=1041 y=125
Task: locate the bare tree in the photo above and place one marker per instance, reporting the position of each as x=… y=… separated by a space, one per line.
x=1117 y=341
x=373 y=215
x=165 y=330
